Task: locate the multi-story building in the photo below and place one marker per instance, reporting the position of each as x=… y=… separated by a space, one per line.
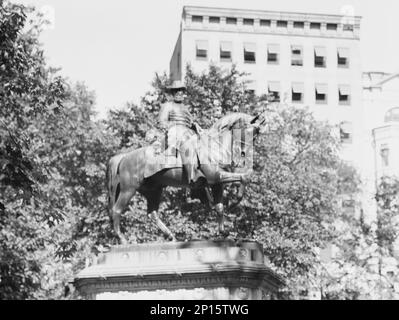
x=381 y=100
x=381 y=138
x=305 y=59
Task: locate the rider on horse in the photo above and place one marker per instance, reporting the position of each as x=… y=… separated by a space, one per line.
x=176 y=120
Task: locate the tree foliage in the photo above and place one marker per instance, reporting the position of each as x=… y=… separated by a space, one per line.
x=289 y=206
x=53 y=153
x=365 y=263
x=28 y=89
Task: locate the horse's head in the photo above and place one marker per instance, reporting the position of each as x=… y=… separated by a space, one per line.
x=238 y=132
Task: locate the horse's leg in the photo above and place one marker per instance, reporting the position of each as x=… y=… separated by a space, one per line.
x=120 y=205
x=215 y=175
x=217 y=191
x=153 y=201
x=117 y=210
x=240 y=195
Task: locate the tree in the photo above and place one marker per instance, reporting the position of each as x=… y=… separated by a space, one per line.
x=53 y=156
x=289 y=207
x=387 y=198
x=365 y=265
x=28 y=88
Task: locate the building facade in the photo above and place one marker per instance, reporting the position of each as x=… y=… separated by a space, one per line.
x=308 y=60
x=381 y=122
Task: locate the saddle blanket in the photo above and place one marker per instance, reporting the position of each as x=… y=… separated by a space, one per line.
x=157 y=161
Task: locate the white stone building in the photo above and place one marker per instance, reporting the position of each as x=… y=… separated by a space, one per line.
x=381 y=123
x=308 y=60
x=304 y=59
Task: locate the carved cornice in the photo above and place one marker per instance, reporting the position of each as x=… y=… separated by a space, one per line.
x=229 y=279
x=173 y=266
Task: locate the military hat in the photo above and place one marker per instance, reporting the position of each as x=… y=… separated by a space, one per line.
x=176 y=86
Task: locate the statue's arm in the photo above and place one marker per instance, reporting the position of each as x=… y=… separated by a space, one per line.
x=163 y=117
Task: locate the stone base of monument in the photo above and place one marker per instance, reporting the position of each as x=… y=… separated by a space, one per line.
x=196 y=270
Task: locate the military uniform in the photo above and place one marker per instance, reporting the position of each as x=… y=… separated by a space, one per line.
x=176 y=119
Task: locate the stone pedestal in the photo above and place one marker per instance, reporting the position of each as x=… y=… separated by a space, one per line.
x=196 y=270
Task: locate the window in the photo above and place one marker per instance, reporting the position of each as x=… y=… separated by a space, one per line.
x=332 y=26
x=297 y=92
x=197 y=19
x=321 y=93
x=214 y=19
x=282 y=24
x=274 y=90
x=348 y=27
x=296 y=56
x=343 y=57
x=265 y=23
x=249 y=53
x=226 y=49
x=202 y=49
x=248 y=22
x=320 y=57
x=344 y=94
x=315 y=25
x=230 y=20
x=273 y=51
x=299 y=24
x=385 y=155
x=250 y=87
x=346 y=132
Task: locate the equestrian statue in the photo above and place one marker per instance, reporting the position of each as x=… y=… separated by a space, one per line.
x=188 y=157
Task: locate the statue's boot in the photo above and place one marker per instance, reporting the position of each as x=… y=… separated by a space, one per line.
x=190 y=182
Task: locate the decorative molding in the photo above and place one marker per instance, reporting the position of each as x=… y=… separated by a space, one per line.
x=180 y=266
x=275 y=31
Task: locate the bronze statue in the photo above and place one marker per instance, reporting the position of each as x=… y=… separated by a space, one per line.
x=175 y=119
x=220 y=155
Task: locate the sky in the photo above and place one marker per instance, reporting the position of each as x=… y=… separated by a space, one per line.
x=117 y=46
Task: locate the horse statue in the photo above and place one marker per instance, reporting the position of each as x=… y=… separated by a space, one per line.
x=224 y=155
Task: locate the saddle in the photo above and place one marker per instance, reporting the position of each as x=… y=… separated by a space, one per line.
x=157 y=159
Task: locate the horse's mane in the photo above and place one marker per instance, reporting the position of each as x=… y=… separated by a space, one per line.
x=230 y=120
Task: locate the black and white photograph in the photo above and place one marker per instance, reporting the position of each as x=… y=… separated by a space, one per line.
x=199 y=150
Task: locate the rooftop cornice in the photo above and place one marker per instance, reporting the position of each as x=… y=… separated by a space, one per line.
x=263 y=14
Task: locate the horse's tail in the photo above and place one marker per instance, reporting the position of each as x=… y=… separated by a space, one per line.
x=108 y=185
x=112 y=181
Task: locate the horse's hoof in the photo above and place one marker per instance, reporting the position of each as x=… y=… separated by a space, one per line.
x=224 y=234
